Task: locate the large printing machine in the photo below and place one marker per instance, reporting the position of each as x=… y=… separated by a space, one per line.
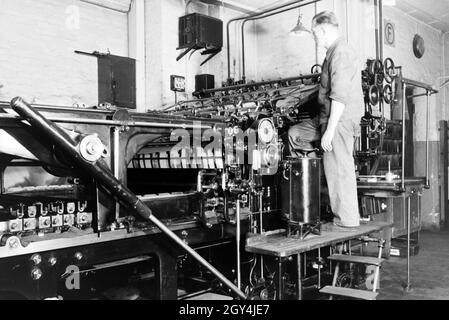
x=169 y=198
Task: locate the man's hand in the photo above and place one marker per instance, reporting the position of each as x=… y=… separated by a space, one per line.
x=337 y=109
x=326 y=140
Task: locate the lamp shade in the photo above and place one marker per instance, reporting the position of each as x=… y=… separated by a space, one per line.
x=299 y=29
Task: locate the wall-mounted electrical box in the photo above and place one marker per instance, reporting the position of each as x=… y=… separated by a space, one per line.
x=197 y=32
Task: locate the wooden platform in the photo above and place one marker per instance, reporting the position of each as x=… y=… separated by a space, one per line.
x=278 y=245
x=350 y=293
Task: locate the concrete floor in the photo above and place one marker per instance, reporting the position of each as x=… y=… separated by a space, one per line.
x=429 y=271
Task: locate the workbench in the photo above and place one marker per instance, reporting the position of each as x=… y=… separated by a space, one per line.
x=278 y=245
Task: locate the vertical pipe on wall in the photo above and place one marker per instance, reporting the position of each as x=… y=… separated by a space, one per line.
x=404 y=102
x=381 y=32
x=316 y=43
x=136 y=48
x=376 y=22
x=445 y=69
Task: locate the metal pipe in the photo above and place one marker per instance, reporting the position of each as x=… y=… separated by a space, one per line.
x=261 y=211
x=427 y=140
x=262 y=262
x=377 y=271
x=376 y=21
x=115 y=123
x=381 y=32
x=299 y=283
x=243 y=50
x=420 y=95
x=237 y=239
x=404 y=102
x=408 y=287
x=249 y=16
x=262 y=17
x=444 y=71
x=418 y=84
x=319 y=268
x=100 y=171
x=116 y=163
x=316 y=43
x=280 y=279
x=6 y=104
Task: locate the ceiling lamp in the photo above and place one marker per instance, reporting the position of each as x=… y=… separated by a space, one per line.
x=299 y=29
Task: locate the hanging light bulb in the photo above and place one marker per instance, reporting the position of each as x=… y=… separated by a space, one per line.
x=299 y=29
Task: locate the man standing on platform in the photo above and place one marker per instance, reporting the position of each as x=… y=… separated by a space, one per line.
x=342 y=107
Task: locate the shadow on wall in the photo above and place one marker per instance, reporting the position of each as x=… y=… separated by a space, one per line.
x=257 y=28
x=22 y=177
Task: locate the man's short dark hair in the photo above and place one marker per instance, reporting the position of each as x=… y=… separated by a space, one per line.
x=326 y=17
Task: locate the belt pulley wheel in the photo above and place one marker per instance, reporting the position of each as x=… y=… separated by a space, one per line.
x=388 y=94
x=374 y=95
x=376 y=67
x=379 y=79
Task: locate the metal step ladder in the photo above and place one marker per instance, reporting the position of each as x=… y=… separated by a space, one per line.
x=335 y=290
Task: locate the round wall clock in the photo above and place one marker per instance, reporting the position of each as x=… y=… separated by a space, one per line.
x=418 y=46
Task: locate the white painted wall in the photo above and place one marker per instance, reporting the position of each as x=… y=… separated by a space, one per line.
x=37 y=43
x=162 y=40
x=280 y=54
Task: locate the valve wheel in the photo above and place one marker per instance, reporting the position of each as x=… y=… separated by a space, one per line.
x=316 y=69
x=376 y=67
x=389 y=69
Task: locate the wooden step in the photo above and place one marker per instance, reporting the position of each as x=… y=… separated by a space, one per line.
x=350 y=293
x=357 y=259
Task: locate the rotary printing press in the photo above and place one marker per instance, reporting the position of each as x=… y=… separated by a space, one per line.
x=163 y=197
